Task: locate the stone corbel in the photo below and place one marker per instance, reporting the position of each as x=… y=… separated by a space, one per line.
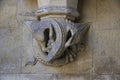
x=56 y=37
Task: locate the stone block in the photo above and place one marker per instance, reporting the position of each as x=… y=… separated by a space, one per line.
x=103 y=77
x=106 y=55
x=117 y=77
x=26 y=10
x=10 y=77
x=37 y=77
x=8 y=10
x=68 y=3
x=10 y=50
x=107 y=15
x=55 y=77
x=73 y=77
x=87 y=10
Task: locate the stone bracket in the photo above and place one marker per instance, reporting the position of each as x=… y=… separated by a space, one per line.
x=56 y=40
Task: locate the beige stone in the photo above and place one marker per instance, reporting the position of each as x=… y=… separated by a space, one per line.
x=103 y=77
x=57 y=9
x=106 y=51
x=103 y=42
x=37 y=77
x=26 y=10
x=66 y=3
x=55 y=77
x=10 y=50
x=10 y=77
x=83 y=64
x=72 y=77
x=8 y=10
x=117 y=77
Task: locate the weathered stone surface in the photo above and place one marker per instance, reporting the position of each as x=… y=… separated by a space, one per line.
x=105 y=26
x=10 y=50
x=10 y=77
x=117 y=77
x=102 y=41
x=83 y=64
x=8 y=10
x=69 y=3
x=37 y=77
x=62 y=27
x=26 y=10
x=106 y=51
x=107 y=15
x=73 y=77
x=106 y=77
x=57 y=8
x=103 y=77
x=55 y=77
x=87 y=10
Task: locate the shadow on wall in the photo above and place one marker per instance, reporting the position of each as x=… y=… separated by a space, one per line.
x=1 y=2
x=80 y=9
x=118 y=2
x=81 y=4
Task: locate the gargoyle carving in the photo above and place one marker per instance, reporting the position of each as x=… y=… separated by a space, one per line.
x=57 y=39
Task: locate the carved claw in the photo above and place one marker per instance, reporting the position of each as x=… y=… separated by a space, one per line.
x=32 y=63
x=70 y=55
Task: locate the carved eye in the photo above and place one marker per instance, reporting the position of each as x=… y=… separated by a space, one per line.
x=49 y=35
x=46 y=36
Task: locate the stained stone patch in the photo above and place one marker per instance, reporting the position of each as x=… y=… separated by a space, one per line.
x=106 y=52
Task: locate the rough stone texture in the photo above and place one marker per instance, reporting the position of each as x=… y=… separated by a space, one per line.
x=72 y=77
x=37 y=77
x=107 y=59
x=8 y=10
x=10 y=44
x=117 y=77
x=10 y=38
x=10 y=77
x=25 y=11
x=44 y=77
x=70 y=3
x=82 y=65
x=103 y=77
x=106 y=46
x=101 y=57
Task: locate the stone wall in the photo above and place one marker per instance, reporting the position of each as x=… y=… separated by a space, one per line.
x=100 y=60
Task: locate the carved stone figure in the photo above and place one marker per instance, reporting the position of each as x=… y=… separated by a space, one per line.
x=56 y=38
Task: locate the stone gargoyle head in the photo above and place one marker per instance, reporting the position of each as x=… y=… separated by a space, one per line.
x=57 y=40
